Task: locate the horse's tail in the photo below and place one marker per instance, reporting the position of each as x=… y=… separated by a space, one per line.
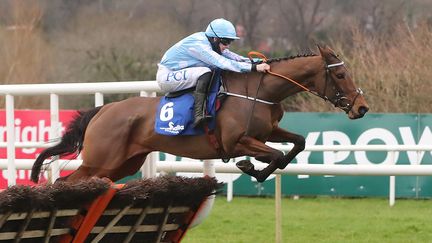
x=70 y=143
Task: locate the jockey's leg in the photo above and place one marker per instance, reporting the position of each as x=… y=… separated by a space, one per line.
x=200 y=96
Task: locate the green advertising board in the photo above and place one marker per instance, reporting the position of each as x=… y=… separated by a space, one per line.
x=337 y=129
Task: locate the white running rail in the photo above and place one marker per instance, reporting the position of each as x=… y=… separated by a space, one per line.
x=149 y=88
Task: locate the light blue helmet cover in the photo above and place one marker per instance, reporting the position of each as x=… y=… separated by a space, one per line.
x=221 y=28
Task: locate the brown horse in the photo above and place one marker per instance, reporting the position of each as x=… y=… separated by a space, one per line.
x=116 y=138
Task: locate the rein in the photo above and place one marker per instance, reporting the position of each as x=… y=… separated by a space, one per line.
x=265 y=59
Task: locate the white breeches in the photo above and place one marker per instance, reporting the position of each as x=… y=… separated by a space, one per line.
x=171 y=81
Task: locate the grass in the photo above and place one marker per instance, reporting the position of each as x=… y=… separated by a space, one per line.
x=316 y=220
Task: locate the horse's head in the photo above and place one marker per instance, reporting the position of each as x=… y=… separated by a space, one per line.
x=339 y=87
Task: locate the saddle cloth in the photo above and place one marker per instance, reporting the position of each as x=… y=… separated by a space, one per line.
x=175 y=115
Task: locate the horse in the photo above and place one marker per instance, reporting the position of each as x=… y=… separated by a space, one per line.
x=115 y=139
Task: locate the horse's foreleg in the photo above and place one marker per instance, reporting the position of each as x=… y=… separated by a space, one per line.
x=260 y=175
x=280 y=135
x=251 y=147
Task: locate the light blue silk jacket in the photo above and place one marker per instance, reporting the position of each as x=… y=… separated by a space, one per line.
x=196 y=51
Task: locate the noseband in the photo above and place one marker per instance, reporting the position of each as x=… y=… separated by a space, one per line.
x=339 y=98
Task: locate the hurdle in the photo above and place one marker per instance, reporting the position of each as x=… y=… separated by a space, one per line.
x=159 y=209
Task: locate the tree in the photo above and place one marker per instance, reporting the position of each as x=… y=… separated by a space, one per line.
x=247 y=13
x=303 y=18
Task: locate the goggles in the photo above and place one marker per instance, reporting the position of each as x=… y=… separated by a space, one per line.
x=225 y=41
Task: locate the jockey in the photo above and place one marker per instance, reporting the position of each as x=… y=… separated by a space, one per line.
x=190 y=62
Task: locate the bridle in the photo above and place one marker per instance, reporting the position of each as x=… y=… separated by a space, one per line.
x=339 y=100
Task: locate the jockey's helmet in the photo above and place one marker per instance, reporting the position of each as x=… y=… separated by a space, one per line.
x=221 y=28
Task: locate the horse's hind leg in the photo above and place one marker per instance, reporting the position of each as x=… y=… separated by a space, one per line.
x=81 y=173
x=129 y=167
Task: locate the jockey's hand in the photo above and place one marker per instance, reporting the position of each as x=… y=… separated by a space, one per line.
x=263 y=67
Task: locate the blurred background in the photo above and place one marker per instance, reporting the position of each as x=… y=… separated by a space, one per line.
x=386 y=44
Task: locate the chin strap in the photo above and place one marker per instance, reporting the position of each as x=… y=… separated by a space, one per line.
x=214 y=44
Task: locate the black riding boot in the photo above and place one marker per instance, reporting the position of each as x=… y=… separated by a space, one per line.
x=200 y=96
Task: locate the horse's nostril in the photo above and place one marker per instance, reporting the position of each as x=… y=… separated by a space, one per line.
x=362 y=110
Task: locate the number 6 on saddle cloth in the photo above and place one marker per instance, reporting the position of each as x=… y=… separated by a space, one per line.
x=175 y=113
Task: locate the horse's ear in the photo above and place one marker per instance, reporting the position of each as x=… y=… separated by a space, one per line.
x=320 y=48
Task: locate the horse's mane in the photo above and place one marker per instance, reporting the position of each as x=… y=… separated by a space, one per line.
x=290 y=57
x=279 y=59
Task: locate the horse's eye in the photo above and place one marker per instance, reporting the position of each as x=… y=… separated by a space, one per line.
x=340 y=76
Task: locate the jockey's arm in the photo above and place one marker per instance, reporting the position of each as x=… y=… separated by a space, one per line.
x=207 y=55
x=234 y=56
x=262 y=67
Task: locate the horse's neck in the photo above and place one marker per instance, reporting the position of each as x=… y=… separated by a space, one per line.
x=300 y=73
x=274 y=88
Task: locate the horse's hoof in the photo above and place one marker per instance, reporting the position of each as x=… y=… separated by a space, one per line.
x=260 y=179
x=245 y=166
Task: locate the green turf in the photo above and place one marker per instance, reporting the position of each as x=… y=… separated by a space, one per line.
x=316 y=220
